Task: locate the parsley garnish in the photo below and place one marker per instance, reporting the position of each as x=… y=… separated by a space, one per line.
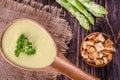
x=24 y=45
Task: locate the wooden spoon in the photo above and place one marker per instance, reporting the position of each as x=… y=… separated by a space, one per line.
x=64 y=66
x=60 y=63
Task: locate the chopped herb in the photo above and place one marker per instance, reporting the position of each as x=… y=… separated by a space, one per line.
x=24 y=45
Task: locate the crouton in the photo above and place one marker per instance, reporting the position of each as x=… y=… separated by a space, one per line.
x=110 y=57
x=84 y=45
x=84 y=54
x=109 y=45
x=99 y=38
x=105 y=60
x=90 y=49
x=95 y=55
x=99 y=46
x=112 y=49
x=89 y=60
x=90 y=42
x=100 y=54
x=99 y=62
x=91 y=36
x=90 y=56
x=106 y=52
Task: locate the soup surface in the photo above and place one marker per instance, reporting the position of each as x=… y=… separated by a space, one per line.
x=41 y=42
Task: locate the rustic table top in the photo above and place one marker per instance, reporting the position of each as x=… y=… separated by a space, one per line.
x=109 y=25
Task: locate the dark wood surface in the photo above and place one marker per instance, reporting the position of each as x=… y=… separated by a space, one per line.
x=110 y=25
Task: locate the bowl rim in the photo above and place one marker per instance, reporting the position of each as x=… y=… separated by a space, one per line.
x=107 y=36
x=12 y=63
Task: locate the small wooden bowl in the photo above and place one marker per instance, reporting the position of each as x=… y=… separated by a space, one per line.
x=85 y=39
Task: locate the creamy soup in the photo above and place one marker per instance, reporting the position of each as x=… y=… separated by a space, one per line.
x=41 y=42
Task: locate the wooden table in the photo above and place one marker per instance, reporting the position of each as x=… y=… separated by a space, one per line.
x=110 y=25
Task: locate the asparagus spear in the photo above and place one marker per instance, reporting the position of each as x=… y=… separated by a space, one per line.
x=82 y=20
x=80 y=7
x=94 y=8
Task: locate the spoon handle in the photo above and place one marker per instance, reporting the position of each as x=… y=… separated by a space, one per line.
x=71 y=70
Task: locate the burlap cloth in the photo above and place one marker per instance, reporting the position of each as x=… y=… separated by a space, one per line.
x=58 y=28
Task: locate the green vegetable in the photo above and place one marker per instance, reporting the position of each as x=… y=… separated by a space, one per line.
x=75 y=12
x=23 y=45
x=94 y=8
x=83 y=10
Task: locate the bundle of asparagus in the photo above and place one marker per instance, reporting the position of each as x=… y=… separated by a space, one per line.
x=83 y=11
